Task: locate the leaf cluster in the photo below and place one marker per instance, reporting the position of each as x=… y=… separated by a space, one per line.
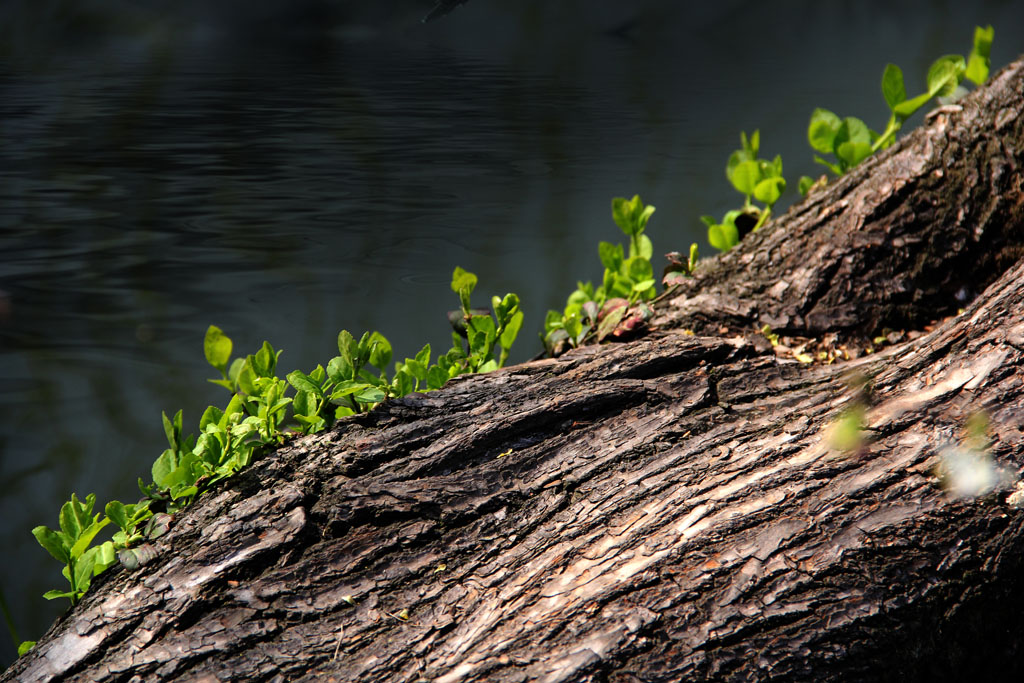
x=264 y=409
x=71 y=544
x=481 y=330
x=754 y=178
x=619 y=304
x=849 y=140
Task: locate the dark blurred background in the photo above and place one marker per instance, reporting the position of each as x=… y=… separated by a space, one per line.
x=288 y=169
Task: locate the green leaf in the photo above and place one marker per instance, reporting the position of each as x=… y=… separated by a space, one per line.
x=69 y=522
x=311 y=425
x=210 y=449
x=504 y=308
x=339 y=369
x=983 y=40
x=611 y=255
x=362 y=352
x=416 y=368
x=638 y=269
x=977 y=69
x=804 y=184
x=573 y=327
x=85 y=540
x=735 y=159
x=304 y=404
x=745 y=176
x=54 y=594
x=708 y=220
x=148 y=491
x=247 y=379
x=347 y=388
x=424 y=355
x=463 y=280
x=482 y=324
x=279 y=405
x=630 y=214
x=644 y=217
x=769 y=190
x=511 y=331
x=118 y=515
x=184 y=491
x=84 y=570
x=105 y=557
x=243 y=429
x=303 y=382
x=463 y=283
x=615 y=285
x=979 y=62
x=907 y=108
x=346 y=347
x=822 y=131
x=54 y=543
x=479 y=345
x=583 y=293
x=370 y=395
x=436 y=377
x=645 y=249
x=643 y=285
x=610 y=322
x=236 y=406
x=76 y=516
x=403 y=383
x=162 y=468
x=853 y=152
x=25 y=646
x=945 y=74
x=84 y=510
x=264 y=361
x=893 y=89
x=138 y=511
x=236 y=367
x=217 y=348
x=852 y=130
x=724 y=236
x=622 y=213
x=380 y=353
x=169 y=432
x=212 y=415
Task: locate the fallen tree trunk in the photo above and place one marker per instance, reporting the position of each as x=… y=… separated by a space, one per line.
x=667 y=509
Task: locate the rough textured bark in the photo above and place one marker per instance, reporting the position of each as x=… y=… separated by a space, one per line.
x=667 y=509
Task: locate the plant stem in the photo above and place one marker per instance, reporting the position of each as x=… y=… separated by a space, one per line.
x=890 y=132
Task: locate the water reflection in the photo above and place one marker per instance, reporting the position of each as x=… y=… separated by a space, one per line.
x=162 y=180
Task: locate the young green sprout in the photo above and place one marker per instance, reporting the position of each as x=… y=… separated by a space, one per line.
x=617 y=306
x=754 y=178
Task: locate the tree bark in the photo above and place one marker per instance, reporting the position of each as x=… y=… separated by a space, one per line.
x=666 y=509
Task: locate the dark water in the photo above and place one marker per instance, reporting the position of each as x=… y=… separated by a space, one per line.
x=181 y=167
